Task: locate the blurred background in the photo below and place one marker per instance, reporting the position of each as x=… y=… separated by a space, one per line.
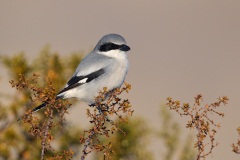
x=178 y=49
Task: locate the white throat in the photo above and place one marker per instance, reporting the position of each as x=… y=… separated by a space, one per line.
x=116 y=54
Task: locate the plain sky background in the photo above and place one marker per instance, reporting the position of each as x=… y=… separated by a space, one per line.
x=180 y=48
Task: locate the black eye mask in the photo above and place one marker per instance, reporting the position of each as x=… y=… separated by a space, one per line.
x=111 y=46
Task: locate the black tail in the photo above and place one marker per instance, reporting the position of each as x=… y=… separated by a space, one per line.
x=36 y=109
x=39 y=107
x=44 y=105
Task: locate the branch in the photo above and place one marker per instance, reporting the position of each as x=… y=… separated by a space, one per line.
x=86 y=145
x=236 y=147
x=200 y=121
x=46 y=131
x=101 y=117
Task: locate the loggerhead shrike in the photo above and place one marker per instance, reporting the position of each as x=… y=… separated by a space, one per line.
x=105 y=66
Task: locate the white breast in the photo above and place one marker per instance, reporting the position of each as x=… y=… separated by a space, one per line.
x=113 y=77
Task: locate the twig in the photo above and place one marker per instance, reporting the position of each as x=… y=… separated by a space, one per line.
x=87 y=143
x=49 y=123
x=200 y=120
x=104 y=111
x=236 y=146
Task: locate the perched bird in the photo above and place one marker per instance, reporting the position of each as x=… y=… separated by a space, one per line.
x=105 y=66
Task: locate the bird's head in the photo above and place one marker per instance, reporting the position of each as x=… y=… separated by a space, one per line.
x=111 y=45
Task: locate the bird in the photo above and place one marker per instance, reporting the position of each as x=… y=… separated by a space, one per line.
x=105 y=66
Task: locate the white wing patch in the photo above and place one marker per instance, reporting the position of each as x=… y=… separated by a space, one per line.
x=83 y=80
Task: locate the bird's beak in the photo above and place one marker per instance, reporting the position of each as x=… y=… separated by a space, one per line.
x=124 y=48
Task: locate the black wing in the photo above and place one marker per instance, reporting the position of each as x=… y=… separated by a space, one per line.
x=76 y=80
x=72 y=83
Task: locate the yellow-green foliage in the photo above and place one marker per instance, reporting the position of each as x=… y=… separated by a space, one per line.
x=133 y=145
x=15 y=141
x=125 y=139
x=170 y=134
x=33 y=80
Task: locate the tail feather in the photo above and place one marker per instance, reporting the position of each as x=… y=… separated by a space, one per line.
x=35 y=109
x=39 y=107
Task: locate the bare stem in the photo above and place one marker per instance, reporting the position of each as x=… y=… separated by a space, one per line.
x=46 y=134
x=86 y=145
